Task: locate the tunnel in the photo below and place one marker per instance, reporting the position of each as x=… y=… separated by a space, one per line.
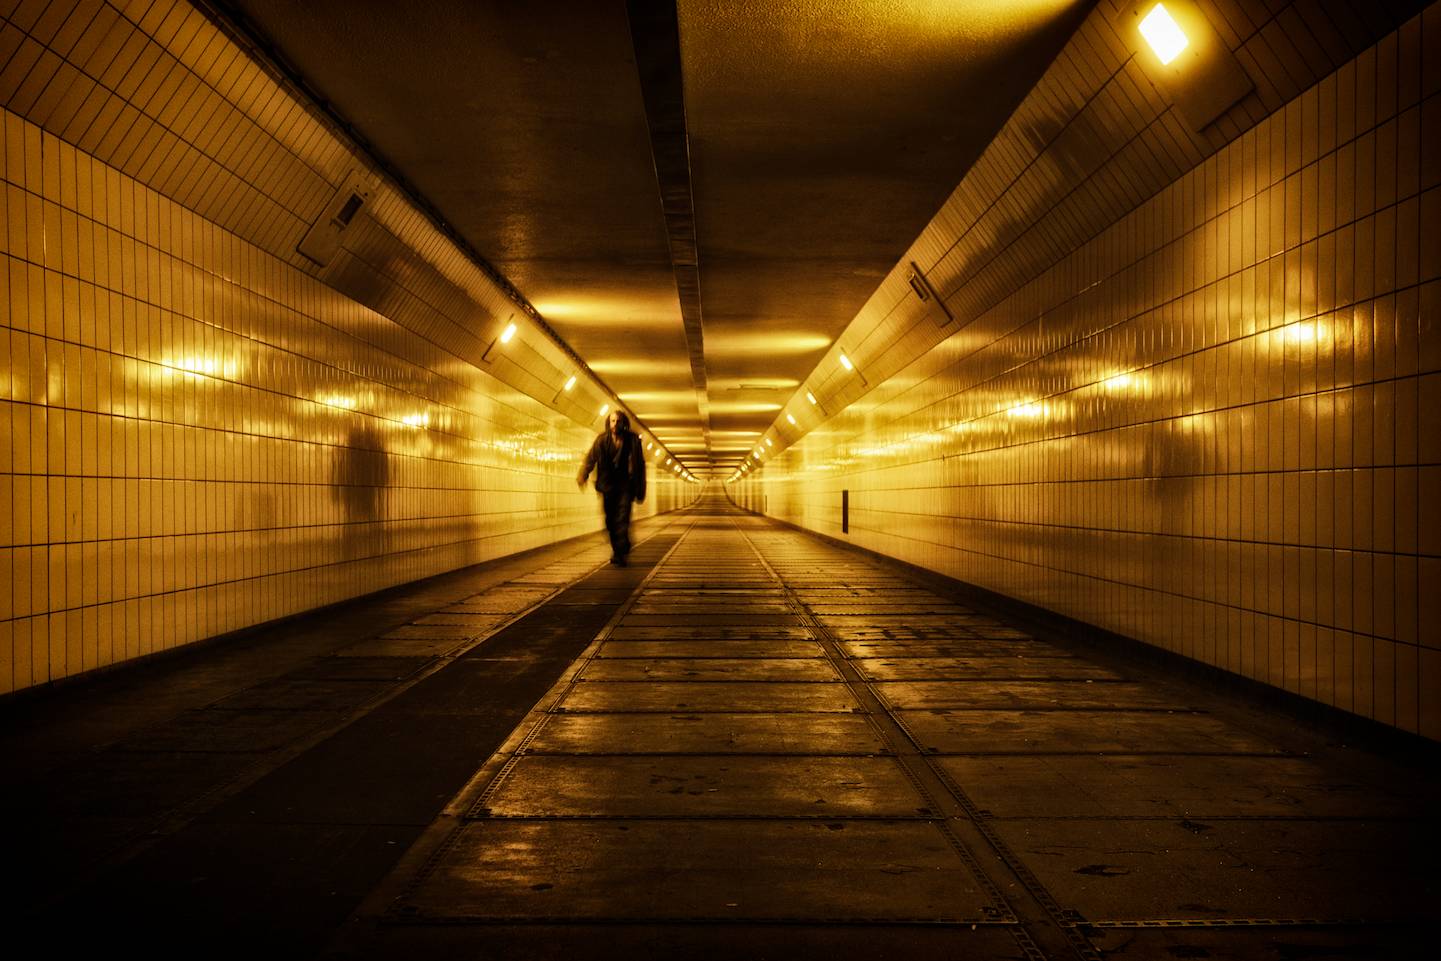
x=1026 y=542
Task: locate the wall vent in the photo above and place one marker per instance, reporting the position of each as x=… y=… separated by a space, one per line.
x=928 y=296
x=322 y=241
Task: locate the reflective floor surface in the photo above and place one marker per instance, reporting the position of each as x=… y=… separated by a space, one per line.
x=748 y=744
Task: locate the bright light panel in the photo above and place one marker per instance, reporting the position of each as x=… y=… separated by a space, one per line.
x=810 y=397
x=604 y=409
x=846 y=363
x=507 y=334
x=791 y=419
x=1163 y=34
x=570 y=383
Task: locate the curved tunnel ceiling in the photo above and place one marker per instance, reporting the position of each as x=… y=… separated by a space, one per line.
x=822 y=138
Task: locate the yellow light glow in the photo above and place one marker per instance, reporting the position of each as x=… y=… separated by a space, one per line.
x=1121 y=382
x=846 y=363
x=745 y=343
x=791 y=419
x=741 y=407
x=1026 y=410
x=570 y=383
x=604 y=409
x=1304 y=332
x=768 y=442
x=810 y=397
x=198 y=367
x=1163 y=34
x=416 y=420
x=508 y=334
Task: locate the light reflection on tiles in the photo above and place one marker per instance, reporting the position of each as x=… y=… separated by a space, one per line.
x=1222 y=435
x=200 y=430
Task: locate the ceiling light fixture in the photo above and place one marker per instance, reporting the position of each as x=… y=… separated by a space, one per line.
x=1163 y=33
x=791 y=419
x=504 y=337
x=811 y=397
x=570 y=383
x=846 y=362
x=604 y=409
x=1190 y=61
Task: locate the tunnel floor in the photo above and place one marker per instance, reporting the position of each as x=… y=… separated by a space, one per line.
x=750 y=743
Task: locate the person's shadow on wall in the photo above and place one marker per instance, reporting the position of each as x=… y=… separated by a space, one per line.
x=360 y=483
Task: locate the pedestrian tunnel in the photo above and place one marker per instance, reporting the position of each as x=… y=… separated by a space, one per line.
x=1038 y=403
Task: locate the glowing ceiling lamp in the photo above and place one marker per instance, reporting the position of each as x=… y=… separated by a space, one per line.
x=570 y=383
x=846 y=362
x=508 y=334
x=604 y=409
x=791 y=419
x=811 y=397
x=1163 y=33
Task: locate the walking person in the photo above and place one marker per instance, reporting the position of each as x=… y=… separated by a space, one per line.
x=619 y=467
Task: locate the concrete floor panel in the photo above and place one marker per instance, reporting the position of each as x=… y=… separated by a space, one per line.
x=814 y=734
x=1084 y=732
x=215 y=730
x=388 y=646
x=702 y=787
x=718 y=632
x=844 y=871
x=303 y=694
x=710 y=669
x=669 y=697
x=694 y=941
x=960 y=647
x=363 y=667
x=739 y=616
x=981 y=668
x=1173 y=785
x=713 y=647
x=1224 y=871
x=985 y=694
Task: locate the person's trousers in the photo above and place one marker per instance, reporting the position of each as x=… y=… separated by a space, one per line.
x=617 y=521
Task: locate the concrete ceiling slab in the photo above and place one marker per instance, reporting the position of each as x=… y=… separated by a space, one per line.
x=823 y=137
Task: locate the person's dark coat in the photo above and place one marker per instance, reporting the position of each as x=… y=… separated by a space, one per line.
x=619 y=464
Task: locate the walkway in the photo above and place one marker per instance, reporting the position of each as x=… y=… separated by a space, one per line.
x=749 y=744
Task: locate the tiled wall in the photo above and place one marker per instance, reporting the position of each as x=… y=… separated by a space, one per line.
x=200 y=430
x=1192 y=391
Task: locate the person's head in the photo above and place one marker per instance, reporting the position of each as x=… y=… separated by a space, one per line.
x=617 y=422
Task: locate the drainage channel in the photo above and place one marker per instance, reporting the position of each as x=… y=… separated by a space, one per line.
x=1042 y=928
